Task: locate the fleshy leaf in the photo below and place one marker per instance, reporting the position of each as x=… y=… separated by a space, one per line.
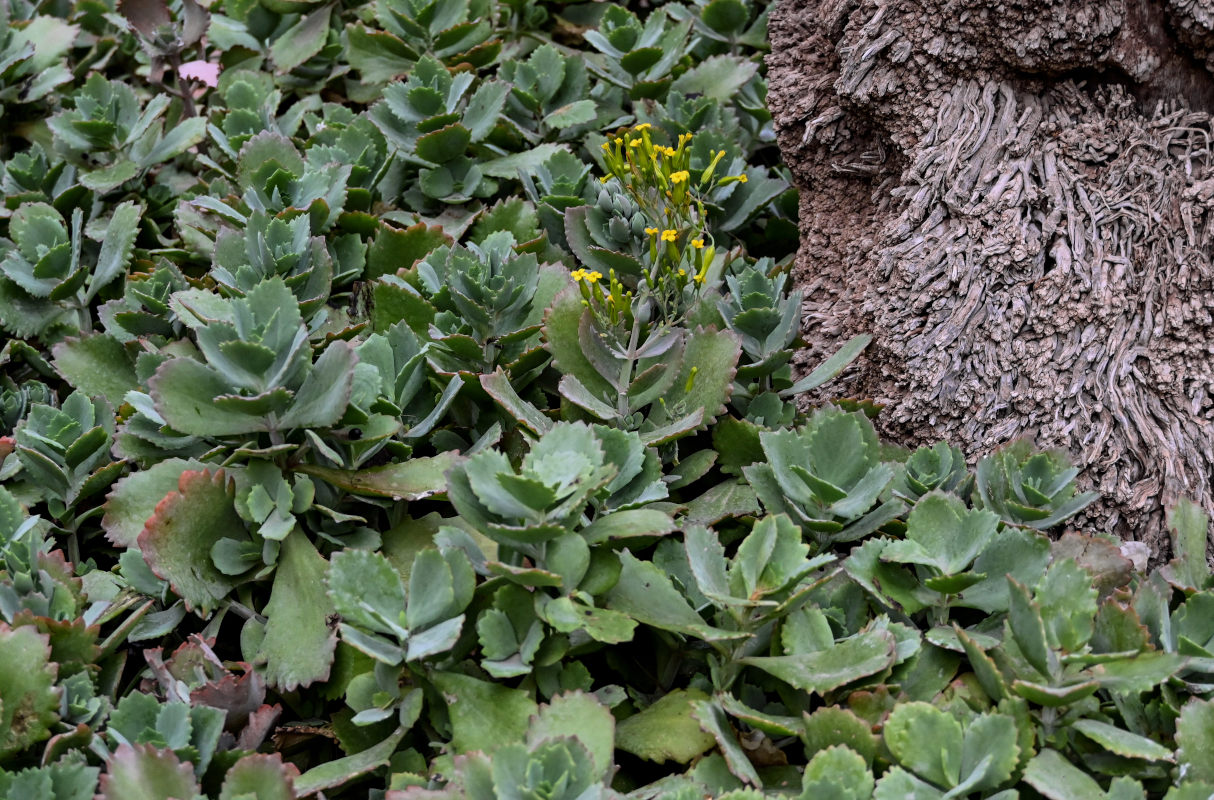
x=299 y=642
x=145 y=772
x=666 y=730
x=176 y=540
x=29 y=700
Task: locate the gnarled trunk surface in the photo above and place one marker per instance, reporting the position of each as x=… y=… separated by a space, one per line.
x=1016 y=197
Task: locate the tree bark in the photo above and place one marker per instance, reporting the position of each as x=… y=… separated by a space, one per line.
x=1015 y=197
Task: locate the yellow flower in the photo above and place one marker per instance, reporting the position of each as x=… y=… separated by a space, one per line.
x=641 y=127
x=591 y=276
x=742 y=178
x=634 y=143
x=697 y=243
x=679 y=177
x=682 y=272
x=651 y=231
x=670 y=151
x=669 y=235
x=578 y=274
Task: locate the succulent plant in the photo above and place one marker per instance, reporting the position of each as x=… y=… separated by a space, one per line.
x=550 y=95
x=828 y=476
x=113 y=137
x=256 y=371
x=65 y=451
x=638 y=57
x=53 y=273
x=395 y=623
x=1029 y=487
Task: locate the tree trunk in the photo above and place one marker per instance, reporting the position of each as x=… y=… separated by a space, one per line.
x=1016 y=198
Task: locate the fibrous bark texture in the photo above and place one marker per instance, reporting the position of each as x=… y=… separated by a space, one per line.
x=1016 y=198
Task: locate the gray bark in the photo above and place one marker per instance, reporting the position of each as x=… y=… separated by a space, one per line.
x=1016 y=198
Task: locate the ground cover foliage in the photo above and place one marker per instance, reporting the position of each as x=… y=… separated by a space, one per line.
x=408 y=415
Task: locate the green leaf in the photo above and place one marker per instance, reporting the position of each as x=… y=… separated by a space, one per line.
x=850 y=659
x=431 y=590
x=484 y=716
x=579 y=716
x=412 y=479
x=1122 y=742
x=1024 y=620
x=444 y=144
x=185 y=390
x=299 y=642
x=176 y=540
x=378 y=55
x=263 y=150
x=367 y=591
x=714 y=357
x=322 y=398
x=145 y=772
x=302 y=40
x=578 y=112
x=833 y=726
x=666 y=730
x=927 y=741
x=116 y=247
x=111 y=177
x=726 y=17
x=498 y=386
x=96 y=365
x=832 y=366
x=645 y=593
x=1067 y=600
x=837 y=773
x=713 y=720
x=527 y=162
x=627 y=524
x=181 y=137
x=29 y=700
x=719 y=77
x=1195 y=740
x=942 y=533
x=332 y=774
x=600 y=624
x=1056 y=778
x=1190 y=527
x=730 y=498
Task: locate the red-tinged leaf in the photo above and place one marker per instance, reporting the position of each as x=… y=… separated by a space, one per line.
x=29 y=701
x=177 y=539
x=144 y=772
x=260 y=723
x=145 y=16
x=265 y=777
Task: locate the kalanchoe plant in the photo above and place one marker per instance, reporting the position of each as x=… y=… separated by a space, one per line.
x=454 y=32
x=114 y=137
x=939 y=467
x=48 y=280
x=541 y=500
x=828 y=476
x=432 y=120
x=550 y=95
x=638 y=56
x=394 y=623
x=31 y=57
x=65 y=452
x=1029 y=487
x=273 y=246
x=256 y=372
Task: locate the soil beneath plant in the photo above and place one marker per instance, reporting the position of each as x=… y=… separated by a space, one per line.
x=1016 y=199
